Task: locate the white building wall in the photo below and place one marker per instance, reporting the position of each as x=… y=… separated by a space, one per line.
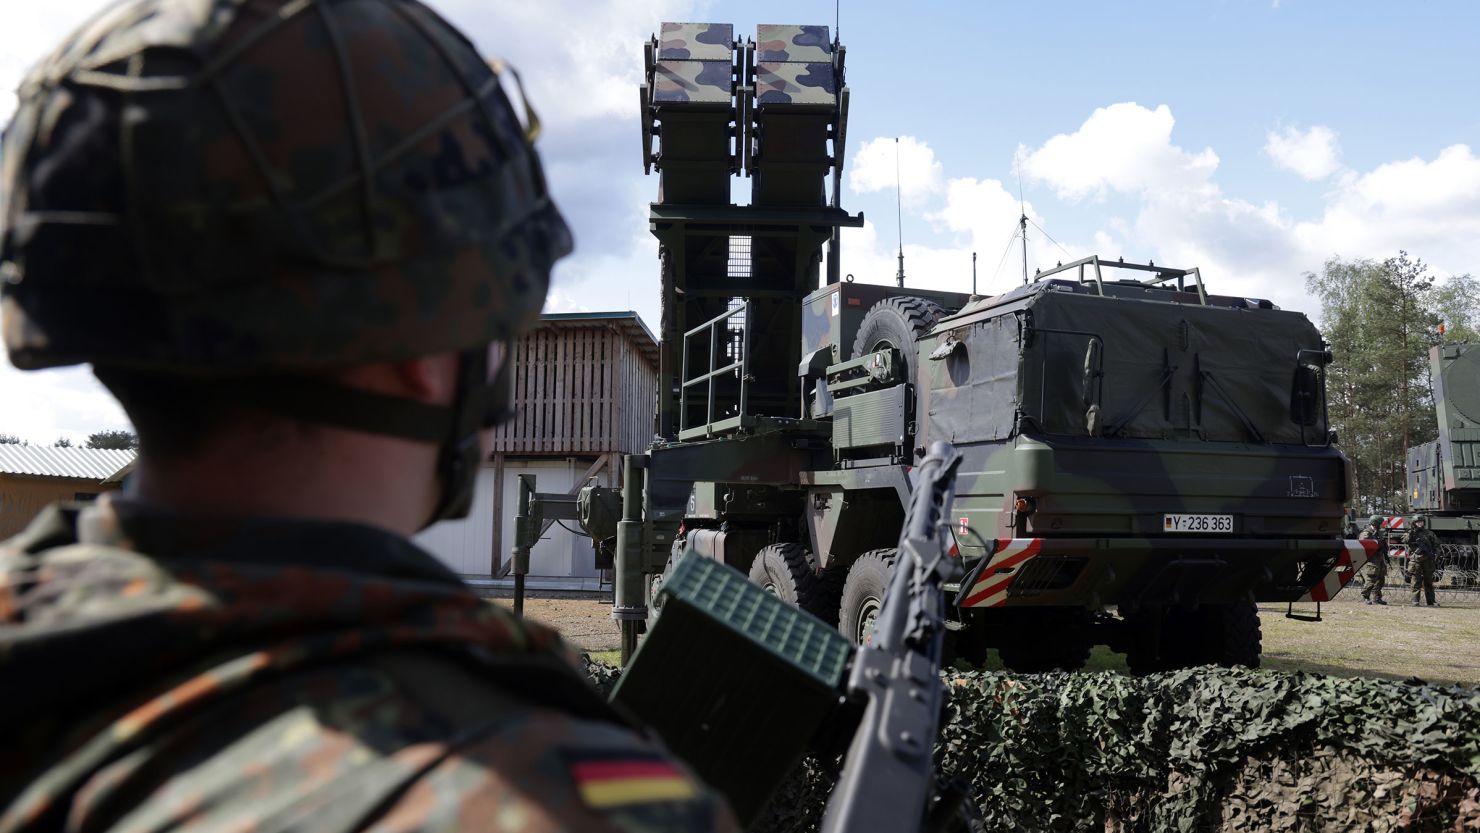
x=465 y=545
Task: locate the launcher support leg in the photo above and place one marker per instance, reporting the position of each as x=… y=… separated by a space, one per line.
x=629 y=605
x=523 y=532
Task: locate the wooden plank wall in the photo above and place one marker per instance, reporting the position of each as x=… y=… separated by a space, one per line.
x=579 y=387
x=22 y=497
x=638 y=403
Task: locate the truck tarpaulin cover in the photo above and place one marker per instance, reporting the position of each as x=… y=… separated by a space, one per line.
x=973 y=391
x=1203 y=373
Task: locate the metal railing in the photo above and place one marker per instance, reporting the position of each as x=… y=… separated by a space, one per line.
x=1162 y=274
x=738 y=351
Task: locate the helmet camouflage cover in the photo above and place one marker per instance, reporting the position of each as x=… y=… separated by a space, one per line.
x=240 y=186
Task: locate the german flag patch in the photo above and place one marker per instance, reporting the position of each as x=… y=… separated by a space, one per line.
x=622 y=777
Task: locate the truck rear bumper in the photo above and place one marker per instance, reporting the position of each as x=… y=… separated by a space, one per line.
x=1067 y=572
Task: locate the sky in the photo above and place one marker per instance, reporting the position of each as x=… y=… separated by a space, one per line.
x=1254 y=140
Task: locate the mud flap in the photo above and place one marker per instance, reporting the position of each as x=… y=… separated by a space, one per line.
x=1353 y=557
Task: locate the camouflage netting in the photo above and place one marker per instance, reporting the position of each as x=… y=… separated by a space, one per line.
x=1207 y=749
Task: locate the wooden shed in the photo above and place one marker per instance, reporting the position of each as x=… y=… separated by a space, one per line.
x=585 y=389
x=31 y=477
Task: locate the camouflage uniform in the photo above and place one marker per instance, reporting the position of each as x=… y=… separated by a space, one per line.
x=249 y=196
x=1423 y=549
x=250 y=675
x=1374 y=572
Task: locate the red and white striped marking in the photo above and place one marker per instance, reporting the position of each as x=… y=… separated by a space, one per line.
x=1396 y=522
x=1354 y=555
x=990 y=589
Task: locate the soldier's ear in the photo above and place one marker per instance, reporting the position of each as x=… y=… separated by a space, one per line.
x=431 y=379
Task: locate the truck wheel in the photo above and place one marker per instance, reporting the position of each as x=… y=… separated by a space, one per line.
x=655 y=583
x=789 y=571
x=863 y=595
x=1047 y=640
x=897 y=322
x=1144 y=649
x=1236 y=627
x=1214 y=634
x=827 y=594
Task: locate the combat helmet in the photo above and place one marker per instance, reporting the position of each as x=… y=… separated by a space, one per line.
x=261 y=190
x=1376 y=521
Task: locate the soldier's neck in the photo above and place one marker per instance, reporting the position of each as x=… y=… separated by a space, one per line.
x=335 y=474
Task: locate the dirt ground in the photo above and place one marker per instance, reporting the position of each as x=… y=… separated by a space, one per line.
x=584 y=622
x=1437 y=644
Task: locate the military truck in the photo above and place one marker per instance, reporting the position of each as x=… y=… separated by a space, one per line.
x=1443 y=476
x=1144 y=460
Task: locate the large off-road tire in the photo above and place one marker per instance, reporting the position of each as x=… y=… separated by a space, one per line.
x=827 y=595
x=1214 y=634
x=1234 y=636
x=897 y=322
x=1143 y=650
x=863 y=594
x=790 y=572
x=1047 y=639
x=655 y=583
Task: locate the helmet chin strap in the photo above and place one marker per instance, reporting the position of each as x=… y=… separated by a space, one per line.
x=478 y=403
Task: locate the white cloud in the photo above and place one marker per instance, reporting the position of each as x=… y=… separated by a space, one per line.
x=1183 y=216
x=975 y=215
x=1430 y=208
x=44 y=405
x=1124 y=147
x=1313 y=154
x=920 y=174
x=1180 y=215
x=587 y=69
x=32 y=30
x=581 y=81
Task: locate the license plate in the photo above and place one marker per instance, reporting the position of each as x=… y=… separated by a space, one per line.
x=1196 y=523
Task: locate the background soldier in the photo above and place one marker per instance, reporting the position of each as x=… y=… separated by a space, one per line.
x=1375 y=571
x=1423 y=551
x=295 y=239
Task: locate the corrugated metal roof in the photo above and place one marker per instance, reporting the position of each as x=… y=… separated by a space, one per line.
x=46 y=461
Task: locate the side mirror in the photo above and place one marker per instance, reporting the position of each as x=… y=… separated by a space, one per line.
x=1305 y=396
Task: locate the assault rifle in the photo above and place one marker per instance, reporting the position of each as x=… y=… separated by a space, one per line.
x=889 y=776
x=740 y=684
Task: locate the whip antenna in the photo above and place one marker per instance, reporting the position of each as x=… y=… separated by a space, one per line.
x=898 y=215
x=1022 y=219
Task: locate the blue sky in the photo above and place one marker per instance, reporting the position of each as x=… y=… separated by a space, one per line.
x=1252 y=139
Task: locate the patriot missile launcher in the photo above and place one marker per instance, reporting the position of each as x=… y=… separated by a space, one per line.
x=1144 y=460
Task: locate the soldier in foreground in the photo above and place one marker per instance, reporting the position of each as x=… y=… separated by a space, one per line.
x=1423 y=550
x=295 y=240
x=1374 y=572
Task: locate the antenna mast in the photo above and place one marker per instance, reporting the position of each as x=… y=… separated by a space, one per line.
x=973 y=273
x=1023 y=225
x=899 y=216
x=1022 y=221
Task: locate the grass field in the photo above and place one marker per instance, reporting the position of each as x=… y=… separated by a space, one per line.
x=1437 y=644
x=1398 y=641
